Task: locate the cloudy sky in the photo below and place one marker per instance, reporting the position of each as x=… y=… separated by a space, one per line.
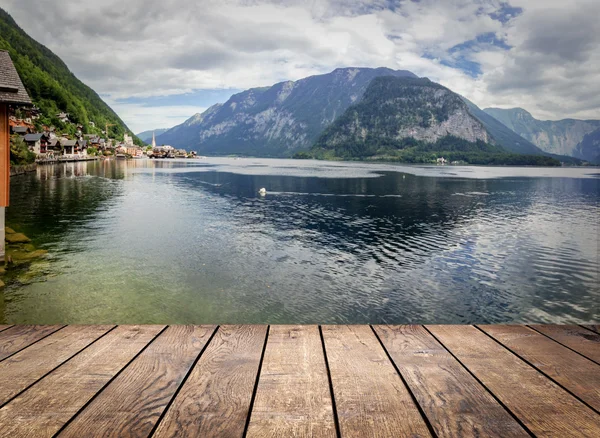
x=157 y=62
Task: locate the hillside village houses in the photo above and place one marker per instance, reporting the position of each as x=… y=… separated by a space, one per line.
x=48 y=146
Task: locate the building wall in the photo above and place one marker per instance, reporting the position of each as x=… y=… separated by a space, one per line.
x=4 y=156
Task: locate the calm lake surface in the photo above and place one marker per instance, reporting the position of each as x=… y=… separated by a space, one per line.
x=191 y=241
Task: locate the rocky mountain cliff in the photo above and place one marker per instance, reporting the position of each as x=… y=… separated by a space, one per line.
x=401 y=112
x=278 y=120
x=417 y=120
x=556 y=137
x=589 y=147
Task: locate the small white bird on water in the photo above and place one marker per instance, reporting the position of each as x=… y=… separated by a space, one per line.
x=262 y=192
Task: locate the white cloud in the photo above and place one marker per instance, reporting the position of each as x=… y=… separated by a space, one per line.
x=159 y=48
x=141 y=117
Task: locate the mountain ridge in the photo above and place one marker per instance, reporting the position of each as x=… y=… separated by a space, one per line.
x=146 y=136
x=414 y=120
x=552 y=136
x=277 y=120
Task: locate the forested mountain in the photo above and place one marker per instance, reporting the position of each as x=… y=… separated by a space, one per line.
x=414 y=119
x=52 y=86
x=552 y=136
x=278 y=120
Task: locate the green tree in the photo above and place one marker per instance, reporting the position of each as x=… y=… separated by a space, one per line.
x=19 y=152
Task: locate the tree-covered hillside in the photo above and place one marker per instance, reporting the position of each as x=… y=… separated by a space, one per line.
x=414 y=120
x=52 y=86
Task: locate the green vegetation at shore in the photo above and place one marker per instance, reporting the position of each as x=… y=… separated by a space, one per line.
x=20 y=253
x=19 y=152
x=409 y=150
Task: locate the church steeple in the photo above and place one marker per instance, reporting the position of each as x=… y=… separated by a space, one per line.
x=153 y=140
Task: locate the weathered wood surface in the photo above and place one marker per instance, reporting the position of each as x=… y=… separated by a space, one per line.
x=45 y=407
x=456 y=405
x=543 y=407
x=293 y=397
x=302 y=381
x=18 y=337
x=4 y=327
x=577 y=374
x=27 y=366
x=592 y=327
x=576 y=338
x=132 y=403
x=371 y=400
x=215 y=399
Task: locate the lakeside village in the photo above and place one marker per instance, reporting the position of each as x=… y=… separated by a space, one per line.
x=47 y=145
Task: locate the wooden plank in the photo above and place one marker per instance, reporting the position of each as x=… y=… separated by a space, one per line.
x=543 y=407
x=4 y=327
x=577 y=338
x=371 y=399
x=454 y=402
x=215 y=399
x=132 y=403
x=24 y=368
x=293 y=396
x=20 y=336
x=593 y=327
x=45 y=407
x=574 y=372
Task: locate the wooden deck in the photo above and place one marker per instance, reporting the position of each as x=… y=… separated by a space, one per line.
x=300 y=381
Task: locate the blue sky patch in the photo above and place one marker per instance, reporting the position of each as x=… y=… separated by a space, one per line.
x=201 y=98
x=506 y=13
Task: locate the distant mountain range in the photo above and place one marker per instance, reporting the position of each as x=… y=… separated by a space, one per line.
x=146 y=136
x=563 y=137
x=417 y=120
x=52 y=86
x=292 y=117
x=278 y=120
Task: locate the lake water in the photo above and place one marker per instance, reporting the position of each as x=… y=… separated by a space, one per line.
x=192 y=241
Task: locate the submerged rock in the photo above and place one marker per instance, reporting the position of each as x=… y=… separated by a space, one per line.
x=17 y=238
x=9 y=230
x=19 y=255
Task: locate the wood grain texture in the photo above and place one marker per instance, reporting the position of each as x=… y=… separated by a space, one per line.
x=371 y=399
x=577 y=338
x=215 y=399
x=454 y=402
x=21 y=336
x=24 y=368
x=576 y=373
x=545 y=408
x=4 y=327
x=293 y=398
x=45 y=407
x=132 y=403
x=593 y=327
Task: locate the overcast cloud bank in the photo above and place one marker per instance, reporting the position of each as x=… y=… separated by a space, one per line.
x=542 y=55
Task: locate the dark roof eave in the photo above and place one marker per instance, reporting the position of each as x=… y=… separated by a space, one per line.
x=15 y=102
